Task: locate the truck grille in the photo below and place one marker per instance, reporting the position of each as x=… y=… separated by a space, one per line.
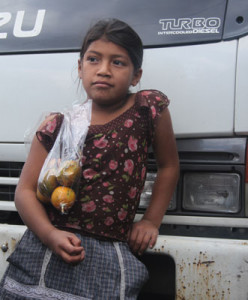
x=9 y=176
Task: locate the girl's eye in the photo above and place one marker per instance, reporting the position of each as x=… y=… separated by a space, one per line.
x=118 y=62
x=92 y=59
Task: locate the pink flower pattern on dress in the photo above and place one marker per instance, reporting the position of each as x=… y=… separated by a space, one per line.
x=109 y=221
x=113 y=165
x=129 y=166
x=51 y=125
x=132 y=144
x=89 y=226
x=146 y=93
x=128 y=123
x=88 y=188
x=122 y=214
x=108 y=198
x=101 y=143
x=74 y=225
x=153 y=109
x=143 y=173
x=89 y=206
x=132 y=193
x=114 y=134
x=89 y=173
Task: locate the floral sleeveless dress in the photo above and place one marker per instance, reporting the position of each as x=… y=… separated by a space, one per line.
x=114 y=172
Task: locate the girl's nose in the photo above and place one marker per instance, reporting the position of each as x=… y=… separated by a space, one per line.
x=104 y=69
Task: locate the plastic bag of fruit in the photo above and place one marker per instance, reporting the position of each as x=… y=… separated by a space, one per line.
x=59 y=178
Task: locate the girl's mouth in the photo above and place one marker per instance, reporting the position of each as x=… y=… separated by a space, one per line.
x=102 y=84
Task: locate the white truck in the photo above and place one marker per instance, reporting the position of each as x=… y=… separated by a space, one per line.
x=196 y=52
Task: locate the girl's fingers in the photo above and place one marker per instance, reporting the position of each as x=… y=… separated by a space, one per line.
x=72 y=254
x=72 y=259
x=144 y=241
x=142 y=235
x=71 y=249
x=138 y=242
x=149 y=241
x=75 y=241
x=144 y=244
x=132 y=238
x=153 y=240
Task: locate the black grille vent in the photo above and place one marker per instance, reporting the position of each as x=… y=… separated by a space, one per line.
x=9 y=170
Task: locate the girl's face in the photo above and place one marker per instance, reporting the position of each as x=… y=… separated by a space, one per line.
x=107 y=72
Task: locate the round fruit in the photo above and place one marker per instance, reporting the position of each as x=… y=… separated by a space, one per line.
x=43 y=198
x=69 y=173
x=63 y=198
x=49 y=182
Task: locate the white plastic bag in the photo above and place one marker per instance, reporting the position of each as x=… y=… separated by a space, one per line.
x=59 y=178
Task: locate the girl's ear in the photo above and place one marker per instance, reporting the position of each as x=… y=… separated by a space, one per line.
x=136 y=77
x=79 y=68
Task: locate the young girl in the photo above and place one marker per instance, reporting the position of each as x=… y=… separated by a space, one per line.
x=90 y=252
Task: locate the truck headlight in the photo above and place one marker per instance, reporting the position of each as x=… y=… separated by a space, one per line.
x=212 y=192
x=147 y=193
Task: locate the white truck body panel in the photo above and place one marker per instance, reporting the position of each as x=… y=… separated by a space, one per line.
x=13 y=152
x=207 y=268
x=49 y=83
x=198 y=107
x=45 y=75
x=241 y=103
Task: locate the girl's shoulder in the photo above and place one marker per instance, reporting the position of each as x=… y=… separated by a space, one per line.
x=149 y=98
x=154 y=101
x=51 y=122
x=49 y=129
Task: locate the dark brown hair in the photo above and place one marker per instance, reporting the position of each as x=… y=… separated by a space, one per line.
x=119 y=33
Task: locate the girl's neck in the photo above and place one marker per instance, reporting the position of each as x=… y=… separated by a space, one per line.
x=111 y=107
x=104 y=113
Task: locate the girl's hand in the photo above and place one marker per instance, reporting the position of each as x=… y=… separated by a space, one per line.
x=66 y=245
x=142 y=235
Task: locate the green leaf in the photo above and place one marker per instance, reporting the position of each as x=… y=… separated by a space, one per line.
x=125 y=177
x=72 y=220
x=119 y=144
x=125 y=206
x=85 y=199
x=87 y=220
x=98 y=135
x=96 y=176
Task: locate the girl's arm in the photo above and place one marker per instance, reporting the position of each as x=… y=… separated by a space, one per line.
x=144 y=233
x=33 y=214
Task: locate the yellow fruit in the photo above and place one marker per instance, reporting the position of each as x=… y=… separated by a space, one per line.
x=63 y=198
x=69 y=173
x=43 y=198
x=49 y=182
